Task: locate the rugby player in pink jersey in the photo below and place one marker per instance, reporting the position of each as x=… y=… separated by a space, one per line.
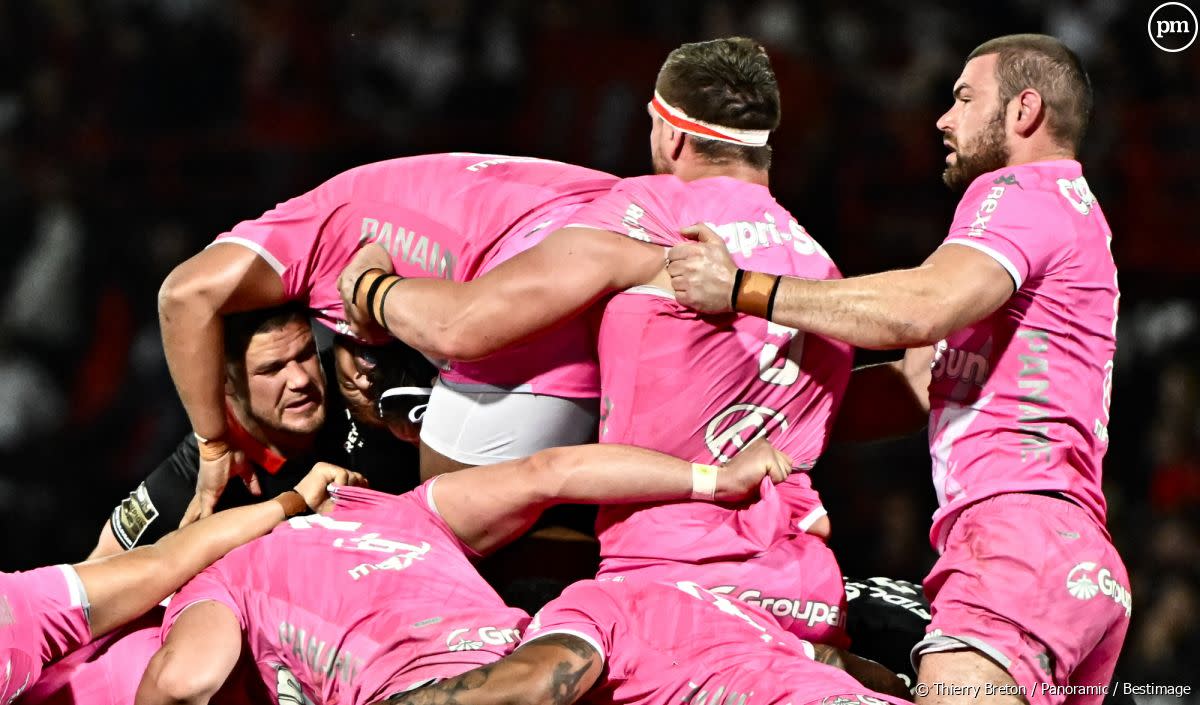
x=49 y=612
x=381 y=596
x=1021 y=302
x=687 y=386
x=447 y=216
x=108 y=671
x=639 y=642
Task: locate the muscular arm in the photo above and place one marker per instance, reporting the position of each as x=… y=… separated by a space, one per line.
x=492 y=505
x=904 y=308
x=124 y=586
x=886 y=400
x=224 y=278
x=552 y=281
x=553 y=670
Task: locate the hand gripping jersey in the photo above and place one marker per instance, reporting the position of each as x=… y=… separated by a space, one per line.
x=665 y=644
x=702 y=387
x=43 y=617
x=1019 y=401
x=440 y=215
x=351 y=608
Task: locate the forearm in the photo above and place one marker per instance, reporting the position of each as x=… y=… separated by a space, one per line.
x=448 y=320
x=193 y=341
x=608 y=474
x=553 y=670
x=124 y=586
x=881 y=311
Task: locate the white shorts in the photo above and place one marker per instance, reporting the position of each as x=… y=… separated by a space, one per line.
x=483 y=425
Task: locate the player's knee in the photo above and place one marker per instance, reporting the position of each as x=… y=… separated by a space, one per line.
x=173 y=680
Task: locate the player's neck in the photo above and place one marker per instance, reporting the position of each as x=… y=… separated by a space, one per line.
x=695 y=169
x=1040 y=151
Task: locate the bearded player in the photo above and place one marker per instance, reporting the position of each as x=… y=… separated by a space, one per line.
x=684 y=385
x=1021 y=300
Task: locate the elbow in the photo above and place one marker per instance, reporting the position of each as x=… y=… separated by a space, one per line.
x=457 y=341
x=543 y=474
x=180 y=292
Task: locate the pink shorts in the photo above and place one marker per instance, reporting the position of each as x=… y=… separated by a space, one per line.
x=43 y=617
x=559 y=362
x=1034 y=583
x=797 y=580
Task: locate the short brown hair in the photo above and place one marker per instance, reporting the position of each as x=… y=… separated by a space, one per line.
x=726 y=82
x=1046 y=65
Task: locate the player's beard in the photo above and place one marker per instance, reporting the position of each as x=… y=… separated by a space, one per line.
x=987 y=152
x=661 y=165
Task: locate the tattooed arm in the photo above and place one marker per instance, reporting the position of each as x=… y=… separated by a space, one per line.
x=865 y=671
x=556 y=669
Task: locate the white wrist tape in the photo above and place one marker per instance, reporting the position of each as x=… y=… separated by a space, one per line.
x=704 y=481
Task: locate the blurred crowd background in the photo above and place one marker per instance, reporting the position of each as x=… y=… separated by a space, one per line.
x=134 y=131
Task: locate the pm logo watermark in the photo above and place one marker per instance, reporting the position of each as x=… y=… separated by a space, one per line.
x=1172 y=26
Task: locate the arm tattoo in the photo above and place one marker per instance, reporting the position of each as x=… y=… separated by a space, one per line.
x=556 y=680
x=445 y=692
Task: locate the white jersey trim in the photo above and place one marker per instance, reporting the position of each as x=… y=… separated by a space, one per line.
x=1001 y=259
x=256 y=248
x=648 y=290
x=571 y=632
x=429 y=497
x=76 y=590
x=805 y=523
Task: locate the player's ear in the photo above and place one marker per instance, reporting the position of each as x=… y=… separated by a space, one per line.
x=1031 y=112
x=678 y=137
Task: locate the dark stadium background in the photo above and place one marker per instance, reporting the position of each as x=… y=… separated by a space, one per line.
x=134 y=131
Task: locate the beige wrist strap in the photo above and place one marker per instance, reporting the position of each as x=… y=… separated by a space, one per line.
x=704 y=481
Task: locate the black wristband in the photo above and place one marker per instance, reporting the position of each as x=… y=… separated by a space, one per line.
x=771 y=299
x=370 y=300
x=737 y=284
x=358 y=282
x=382 y=318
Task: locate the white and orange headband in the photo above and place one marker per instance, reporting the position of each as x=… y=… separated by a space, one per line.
x=680 y=121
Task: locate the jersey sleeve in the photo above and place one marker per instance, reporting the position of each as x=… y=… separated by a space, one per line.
x=632 y=208
x=1012 y=225
x=285 y=237
x=583 y=611
x=208 y=585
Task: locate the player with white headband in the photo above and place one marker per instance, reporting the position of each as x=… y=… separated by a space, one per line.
x=696 y=388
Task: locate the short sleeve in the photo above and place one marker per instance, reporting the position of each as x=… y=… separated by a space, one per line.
x=206 y=586
x=633 y=209
x=285 y=238
x=583 y=611
x=1011 y=224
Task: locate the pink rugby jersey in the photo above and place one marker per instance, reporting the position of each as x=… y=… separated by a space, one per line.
x=1019 y=401
x=351 y=608
x=666 y=643
x=701 y=387
x=42 y=618
x=439 y=215
x=755 y=554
